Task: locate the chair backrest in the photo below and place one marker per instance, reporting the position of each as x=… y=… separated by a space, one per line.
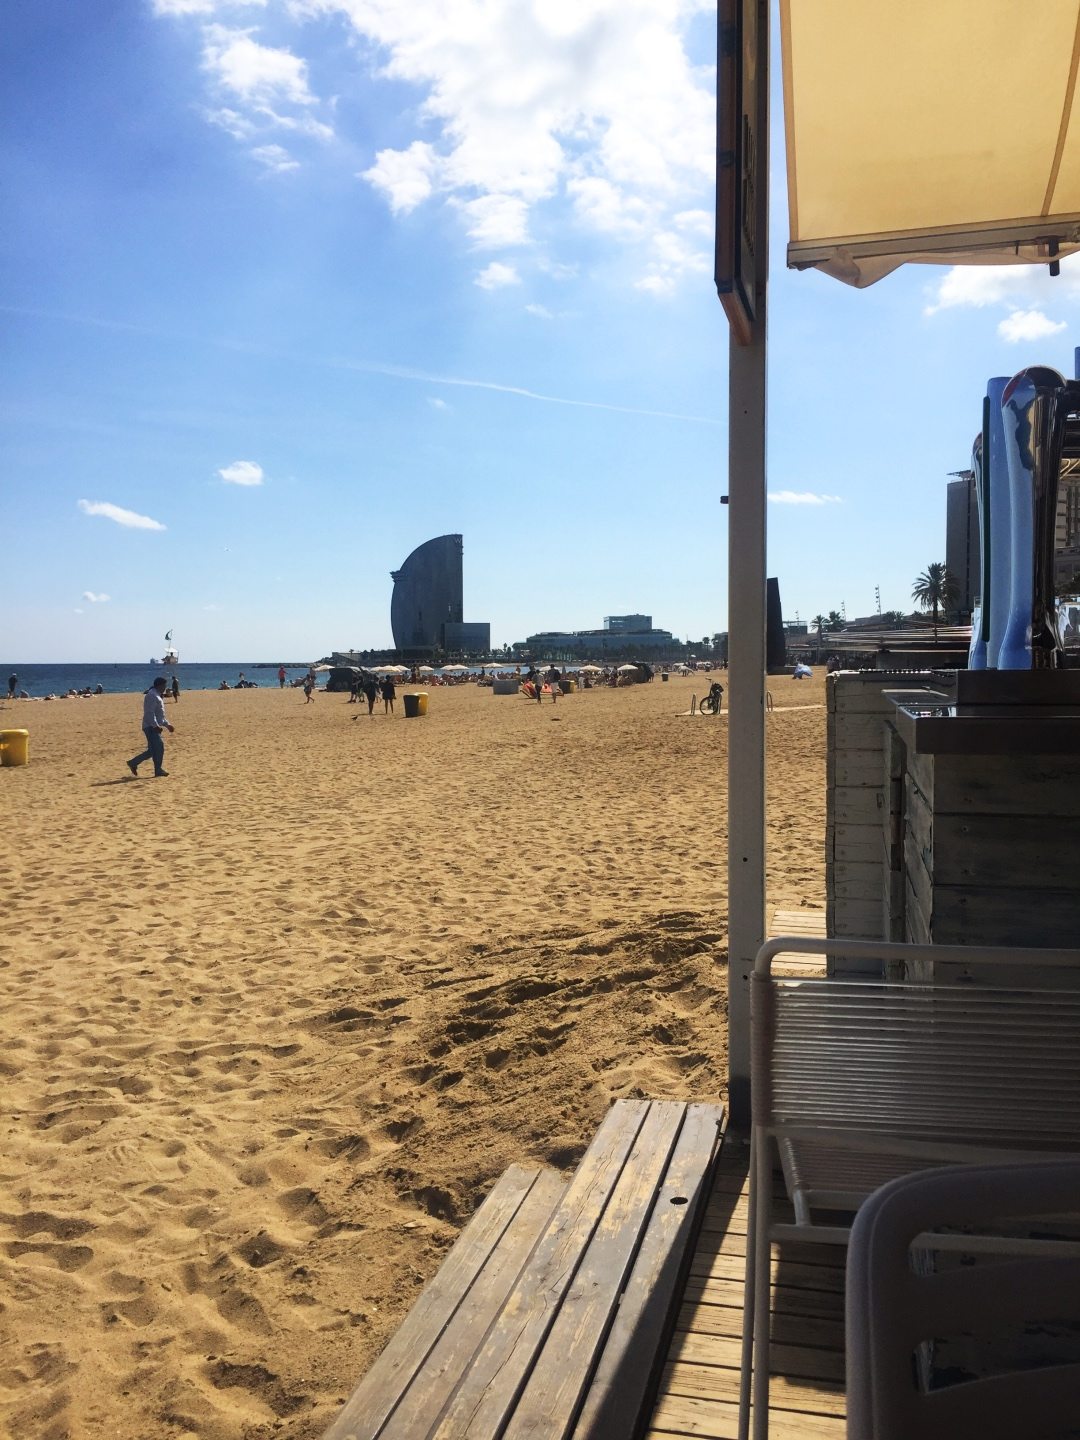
x=892 y=1310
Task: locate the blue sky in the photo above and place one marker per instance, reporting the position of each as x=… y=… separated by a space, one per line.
x=302 y=283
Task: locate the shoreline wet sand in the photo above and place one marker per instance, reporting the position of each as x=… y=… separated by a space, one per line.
x=273 y=1025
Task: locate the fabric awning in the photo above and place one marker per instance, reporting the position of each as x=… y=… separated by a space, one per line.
x=944 y=131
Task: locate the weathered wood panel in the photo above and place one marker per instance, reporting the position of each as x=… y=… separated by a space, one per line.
x=635 y=1347
x=860 y=881
x=858 y=843
x=849 y=766
x=922 y=770
x=857 y=806
x=558 y=1380
x=861 y=732
x=916 y=923
x=1010 y=850
x=485 y=1396
x=992 y=915
x=378 y=1394
x=857 y=919
x=918 y=824
x=1044 y=787
x=919 y=878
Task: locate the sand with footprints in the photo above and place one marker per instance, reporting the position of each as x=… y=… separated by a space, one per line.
x=272 y=1026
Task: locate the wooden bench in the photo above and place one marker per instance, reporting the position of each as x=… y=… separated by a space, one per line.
x=551 y=1314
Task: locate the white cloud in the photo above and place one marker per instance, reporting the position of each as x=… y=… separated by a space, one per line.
x=977 y=286
x=540 y=311
x=437 y=404
x=697 y=222
x=119 y=515
x=276 y=158
x=802 y=497
x=94 y=599
x=256 y=73
x=494 y=221
x=656 y=284
x=496 y=275
x=606 y=207
x=535 y=99
x=242 y=472
x=1028 y=325
x=404 y=176
x=77 y=611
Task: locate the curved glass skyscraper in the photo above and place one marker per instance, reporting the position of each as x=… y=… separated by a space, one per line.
x=427 y=594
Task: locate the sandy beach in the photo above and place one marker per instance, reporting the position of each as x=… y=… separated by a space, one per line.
x=272 y=1026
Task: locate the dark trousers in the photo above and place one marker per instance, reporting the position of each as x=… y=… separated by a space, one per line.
x=155 y=750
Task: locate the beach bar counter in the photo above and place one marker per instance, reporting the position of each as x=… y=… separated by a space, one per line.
x=954 y=807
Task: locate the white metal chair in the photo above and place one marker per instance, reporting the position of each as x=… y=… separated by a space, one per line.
x=856 y=1082
x=895 y=1308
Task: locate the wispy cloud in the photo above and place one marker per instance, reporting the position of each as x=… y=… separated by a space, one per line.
x=94 y=599
x=276 y=158
x=496 y=276
x=437 y=404
x=404 y=177
x=1028 y=325
x=119 y=516
x=365 y=367
x=194 y=7
x=802 y=497
x=243 y=472
x=540 y=311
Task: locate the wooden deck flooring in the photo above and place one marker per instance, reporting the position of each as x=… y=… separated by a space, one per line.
x=699 y=1392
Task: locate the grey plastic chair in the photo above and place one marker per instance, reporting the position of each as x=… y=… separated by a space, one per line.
x=892 y=1310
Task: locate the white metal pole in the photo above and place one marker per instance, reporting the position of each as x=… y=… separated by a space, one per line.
x=746 y=629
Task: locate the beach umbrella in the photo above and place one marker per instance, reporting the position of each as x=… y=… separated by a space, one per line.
x=596 y=670
x=424 y=670
x=627 y=669
x=454 y=669
x=318 y=669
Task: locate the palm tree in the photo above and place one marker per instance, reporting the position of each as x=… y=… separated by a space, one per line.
x=818 y=623
x=934 y=589
x=835 y=620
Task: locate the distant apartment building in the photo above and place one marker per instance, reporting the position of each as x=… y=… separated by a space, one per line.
x=621 y=633
x=628 y=624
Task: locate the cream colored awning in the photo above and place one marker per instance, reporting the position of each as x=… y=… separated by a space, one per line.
x=945 y=131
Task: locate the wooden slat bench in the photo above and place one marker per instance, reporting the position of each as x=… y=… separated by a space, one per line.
x=550 y=1316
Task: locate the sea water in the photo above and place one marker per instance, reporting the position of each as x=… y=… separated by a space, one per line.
x=39 y=680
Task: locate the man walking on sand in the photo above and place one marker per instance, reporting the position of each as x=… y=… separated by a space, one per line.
x=153 y=722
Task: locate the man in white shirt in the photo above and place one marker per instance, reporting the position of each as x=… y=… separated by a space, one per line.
x=153 y=722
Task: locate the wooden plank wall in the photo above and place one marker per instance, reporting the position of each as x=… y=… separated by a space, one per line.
x=863 y=840
x=992 y=849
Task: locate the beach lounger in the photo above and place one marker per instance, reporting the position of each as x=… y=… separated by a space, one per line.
x=857 y=1082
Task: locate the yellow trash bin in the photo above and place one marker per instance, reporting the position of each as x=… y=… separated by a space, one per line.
x=415 y=705
x=14 y=747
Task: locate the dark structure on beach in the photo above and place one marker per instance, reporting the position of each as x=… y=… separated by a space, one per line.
x=426 y=606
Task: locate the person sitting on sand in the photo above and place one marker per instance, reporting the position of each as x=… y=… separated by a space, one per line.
x=224 y=685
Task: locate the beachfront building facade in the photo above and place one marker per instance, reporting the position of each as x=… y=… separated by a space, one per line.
x=621 y=635
x=962 y=554
x=427 y=603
